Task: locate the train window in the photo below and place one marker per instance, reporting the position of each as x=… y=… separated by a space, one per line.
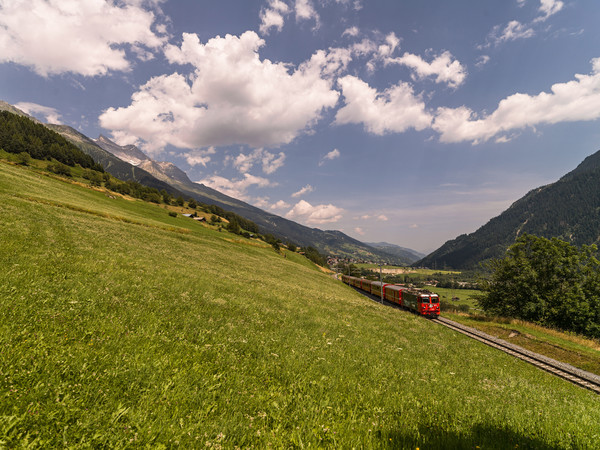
x=424 y=299
x=435 y=299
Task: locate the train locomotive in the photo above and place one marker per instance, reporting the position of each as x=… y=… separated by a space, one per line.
x=420 y=301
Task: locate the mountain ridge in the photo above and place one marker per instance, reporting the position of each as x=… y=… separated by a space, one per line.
x=568 y=209
x=329 y=242
x=130 y=163
x=401 y=252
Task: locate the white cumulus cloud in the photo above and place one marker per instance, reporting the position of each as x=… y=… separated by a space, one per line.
x=273 y=16
x=352 y=32
x=270 y=162
x=444 y=68
x=549 y=8
x=279 y=205
x=236 y=188
x=315 y=215
x=360 y=231
x=305 y=190
x=393 y=111
x=82 y=37
x=333 y=154
x=232 y=97
x=199 y=157
x=50 y=115
x=514 y=30
x=306 y=11
x=575 y=100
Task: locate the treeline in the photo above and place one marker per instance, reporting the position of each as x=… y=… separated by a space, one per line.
x=21 y=135
x=546 y=281
x=239 y=221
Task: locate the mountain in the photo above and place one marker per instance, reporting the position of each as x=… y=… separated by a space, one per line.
x=327 y=242
x=127 y=153
x=12 y=109
x=130 y=163
x=568 y=209
x=406 y=255
x=112 y=164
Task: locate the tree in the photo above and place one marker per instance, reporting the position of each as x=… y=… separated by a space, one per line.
x=94 y=177
x=314 y=255
x=23 y=158
x=59 y=168
x=192 y=203
x=233 y=226
x=166 y=197
x=547 y=281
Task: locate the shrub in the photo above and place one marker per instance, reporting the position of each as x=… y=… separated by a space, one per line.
x=24 y=158
x=59 y=168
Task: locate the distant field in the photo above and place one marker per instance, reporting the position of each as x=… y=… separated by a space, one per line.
x=410 y=270
x=121 y=326
x=465 y=296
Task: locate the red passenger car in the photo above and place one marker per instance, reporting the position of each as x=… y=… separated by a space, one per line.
x=393 y=293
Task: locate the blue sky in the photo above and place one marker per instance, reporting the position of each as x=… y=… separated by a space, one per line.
x=410 y=122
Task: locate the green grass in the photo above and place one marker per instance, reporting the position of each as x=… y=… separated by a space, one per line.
x=123 y=327
x=465 y=296
x=409 y=270
x=569 y=348
x=565 y=347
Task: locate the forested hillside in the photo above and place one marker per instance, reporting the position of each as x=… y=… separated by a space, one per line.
x=116 y=167
x=568 y=209
x=21 y=135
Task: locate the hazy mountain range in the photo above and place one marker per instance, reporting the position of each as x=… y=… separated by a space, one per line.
x=401 y=252
x=130 y=163
x=328 y=242
x=568 y=209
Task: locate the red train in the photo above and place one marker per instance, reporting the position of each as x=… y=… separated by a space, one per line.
x=421 y=301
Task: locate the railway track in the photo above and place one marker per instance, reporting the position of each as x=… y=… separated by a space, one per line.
x=576 y=376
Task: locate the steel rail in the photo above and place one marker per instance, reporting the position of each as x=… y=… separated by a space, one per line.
x=576 y=376
x=568 y=372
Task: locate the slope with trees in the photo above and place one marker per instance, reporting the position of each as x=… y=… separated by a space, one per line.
x=568 y=209
x=21 y=135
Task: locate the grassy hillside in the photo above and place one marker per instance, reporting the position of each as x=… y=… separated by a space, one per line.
x=122 y=326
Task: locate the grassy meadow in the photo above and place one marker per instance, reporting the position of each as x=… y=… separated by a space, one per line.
x=123 y=327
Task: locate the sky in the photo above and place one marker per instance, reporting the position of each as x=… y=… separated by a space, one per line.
x=409 y=122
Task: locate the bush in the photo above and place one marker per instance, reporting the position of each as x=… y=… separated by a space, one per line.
x=93 y=176
x=24 y=158
x=59 y=168
x=172 y=213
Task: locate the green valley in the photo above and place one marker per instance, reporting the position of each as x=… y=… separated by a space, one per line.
x=122 y=326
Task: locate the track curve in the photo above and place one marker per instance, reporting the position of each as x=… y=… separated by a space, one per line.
x=576 y=376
